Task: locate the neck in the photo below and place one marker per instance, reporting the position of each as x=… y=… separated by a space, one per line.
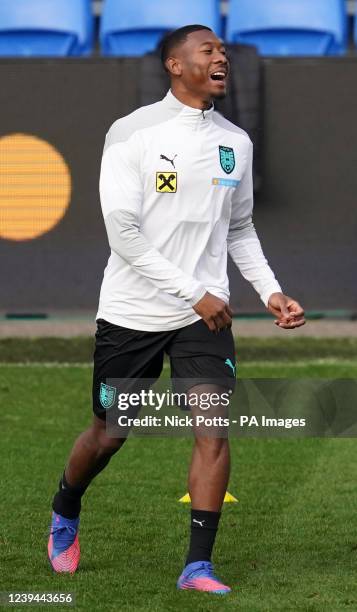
x=190 y=99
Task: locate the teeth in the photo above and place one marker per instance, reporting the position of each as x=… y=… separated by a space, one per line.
x=218 y=76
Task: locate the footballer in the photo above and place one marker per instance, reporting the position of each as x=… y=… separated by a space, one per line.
x=177 y=197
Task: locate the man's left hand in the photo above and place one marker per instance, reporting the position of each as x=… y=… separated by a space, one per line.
x=289 y=313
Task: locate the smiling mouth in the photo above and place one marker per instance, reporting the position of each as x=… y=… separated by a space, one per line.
x=218 y=76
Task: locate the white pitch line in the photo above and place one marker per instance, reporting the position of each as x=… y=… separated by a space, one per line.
x=52 y=364
x=44 y=364
x=166 y=366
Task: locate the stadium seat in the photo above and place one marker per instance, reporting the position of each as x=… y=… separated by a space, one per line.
x=59 y=28
x=135 y=28
x=289 y=27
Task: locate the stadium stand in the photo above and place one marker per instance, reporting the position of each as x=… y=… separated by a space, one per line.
x=30 y=28
x=132 y=29
x=289 y=27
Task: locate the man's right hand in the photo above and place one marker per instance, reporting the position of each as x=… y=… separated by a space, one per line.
x=215 y=312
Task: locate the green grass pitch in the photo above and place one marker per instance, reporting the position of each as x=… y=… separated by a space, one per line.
x=290 y=543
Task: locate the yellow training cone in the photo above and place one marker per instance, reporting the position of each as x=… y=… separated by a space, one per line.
x=185 y=499
x=230 y=498
x=227 y=498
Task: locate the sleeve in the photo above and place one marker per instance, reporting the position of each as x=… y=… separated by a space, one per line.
x=243 y=243
x=121 y=196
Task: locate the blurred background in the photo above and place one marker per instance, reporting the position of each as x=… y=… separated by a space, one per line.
x=69 y=68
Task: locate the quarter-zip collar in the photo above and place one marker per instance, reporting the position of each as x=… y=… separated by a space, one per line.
x=194 y=118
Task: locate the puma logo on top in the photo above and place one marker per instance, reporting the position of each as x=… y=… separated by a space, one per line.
x=169 y=160
x=199 y=522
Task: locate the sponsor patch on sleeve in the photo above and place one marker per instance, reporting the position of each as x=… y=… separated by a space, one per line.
x=225 y=182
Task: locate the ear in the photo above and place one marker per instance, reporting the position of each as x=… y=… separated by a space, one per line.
x=174 y=66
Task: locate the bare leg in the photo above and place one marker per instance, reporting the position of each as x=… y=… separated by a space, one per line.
x=210 y=464
x=91 y=452
x=209 y=473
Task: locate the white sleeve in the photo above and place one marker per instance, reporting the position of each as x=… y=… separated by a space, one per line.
x=243 y=243
x=121 y=198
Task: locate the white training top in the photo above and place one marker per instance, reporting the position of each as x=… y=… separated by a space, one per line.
x=176 y=194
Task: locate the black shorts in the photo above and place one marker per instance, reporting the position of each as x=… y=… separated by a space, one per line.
x=196 y=356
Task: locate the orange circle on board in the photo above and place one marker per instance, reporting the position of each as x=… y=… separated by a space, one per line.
x=35 y=187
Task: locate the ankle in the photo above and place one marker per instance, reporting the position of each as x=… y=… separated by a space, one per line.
x=67 y=501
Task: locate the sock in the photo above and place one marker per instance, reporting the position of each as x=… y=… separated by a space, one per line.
x=204 y=525
x=67 y=501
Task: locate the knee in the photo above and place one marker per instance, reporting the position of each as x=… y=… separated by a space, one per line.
x=214 y=448
x=107 y=445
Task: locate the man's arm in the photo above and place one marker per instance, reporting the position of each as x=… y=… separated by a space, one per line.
x=127 y=241
x=245 y=249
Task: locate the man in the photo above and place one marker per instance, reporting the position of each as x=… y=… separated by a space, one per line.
x=176 y=191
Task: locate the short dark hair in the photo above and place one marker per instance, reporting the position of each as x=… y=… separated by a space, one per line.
x=175 y=38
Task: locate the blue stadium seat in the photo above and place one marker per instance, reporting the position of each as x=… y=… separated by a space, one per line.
x=289 y=27
x=136 y=27
x=57 y=28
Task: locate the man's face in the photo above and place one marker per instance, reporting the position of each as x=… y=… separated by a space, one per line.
x=202 y=65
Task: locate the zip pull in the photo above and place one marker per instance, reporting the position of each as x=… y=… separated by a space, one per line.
x=203 y=114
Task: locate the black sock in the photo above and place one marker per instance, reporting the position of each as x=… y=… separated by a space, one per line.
x=67 y=501
x=204 y=525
